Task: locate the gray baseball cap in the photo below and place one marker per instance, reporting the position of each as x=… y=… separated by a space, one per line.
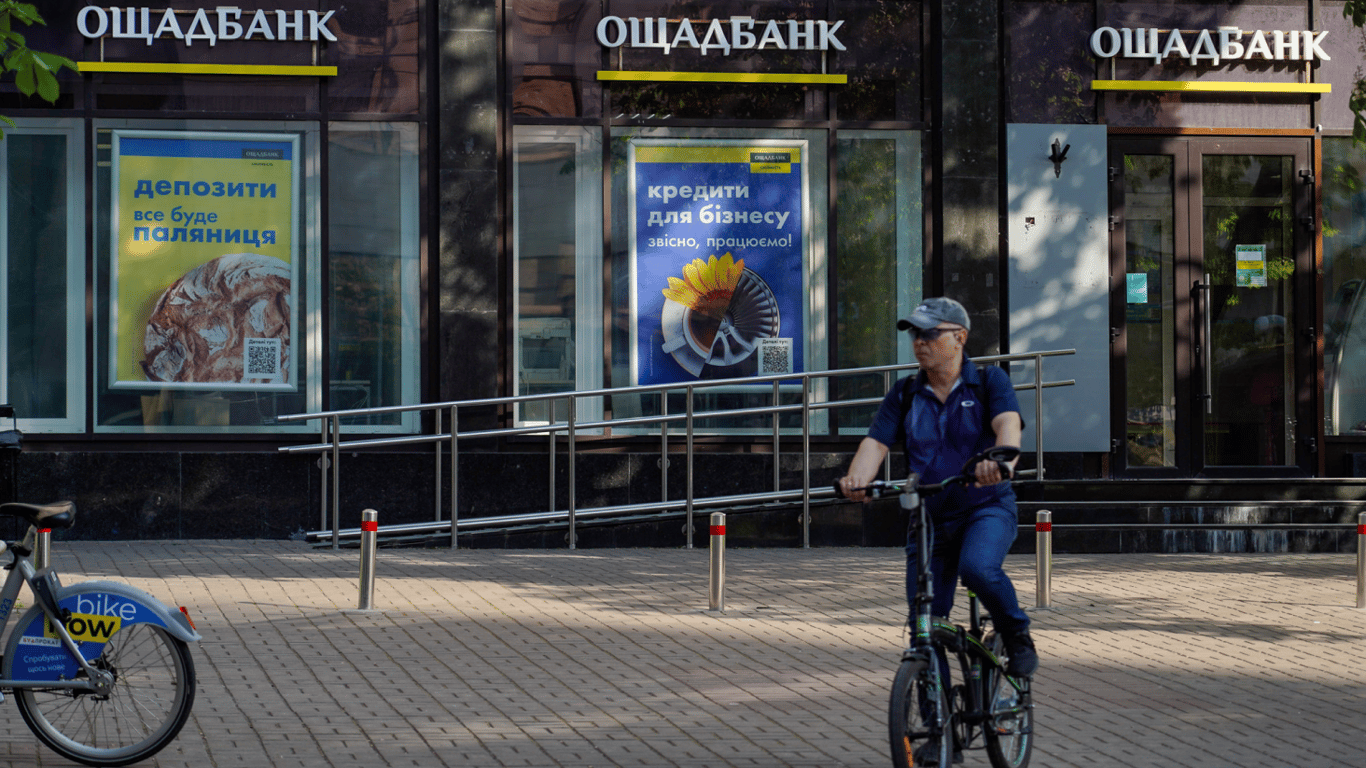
x=932 y=312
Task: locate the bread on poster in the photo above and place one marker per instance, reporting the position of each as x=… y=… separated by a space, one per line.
x=198 y=328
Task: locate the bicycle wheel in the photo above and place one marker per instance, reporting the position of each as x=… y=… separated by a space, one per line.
x=151 y=700
x=913 y=722
x=1009 y=729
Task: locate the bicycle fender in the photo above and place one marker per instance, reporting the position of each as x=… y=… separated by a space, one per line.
x=97 y=609
x=118 y=596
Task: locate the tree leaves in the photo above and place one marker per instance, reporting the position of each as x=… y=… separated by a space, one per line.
x=1356 y=11
x=34 y=71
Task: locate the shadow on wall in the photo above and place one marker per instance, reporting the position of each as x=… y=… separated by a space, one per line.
x=1059 y=277
x=468 y=220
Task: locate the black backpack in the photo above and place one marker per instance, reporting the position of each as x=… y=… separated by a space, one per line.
x=906 y=396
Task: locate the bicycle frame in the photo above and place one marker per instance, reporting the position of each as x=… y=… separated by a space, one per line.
x=930 y=634
x=67 y=627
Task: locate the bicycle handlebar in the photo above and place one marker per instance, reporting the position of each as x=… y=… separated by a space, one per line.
x=1000 y=454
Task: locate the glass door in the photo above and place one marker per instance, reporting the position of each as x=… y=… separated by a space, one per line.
x=1212 y=336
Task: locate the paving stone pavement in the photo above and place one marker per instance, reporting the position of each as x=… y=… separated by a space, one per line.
x=598 y=658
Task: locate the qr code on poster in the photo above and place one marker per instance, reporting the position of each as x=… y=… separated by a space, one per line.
x=262 y=359
x=775 y=356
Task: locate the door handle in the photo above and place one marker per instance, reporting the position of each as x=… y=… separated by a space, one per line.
x=1205 y=343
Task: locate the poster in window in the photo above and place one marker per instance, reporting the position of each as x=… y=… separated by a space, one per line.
x=204 y=278
x=1250 y=263
x=718 y=255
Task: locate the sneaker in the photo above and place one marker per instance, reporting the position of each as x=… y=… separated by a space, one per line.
x=927 y=754
x=1022 y=661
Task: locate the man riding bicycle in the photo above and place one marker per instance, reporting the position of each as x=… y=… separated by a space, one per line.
x=950 y=411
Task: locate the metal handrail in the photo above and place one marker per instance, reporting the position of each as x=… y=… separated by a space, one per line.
x=331 y=443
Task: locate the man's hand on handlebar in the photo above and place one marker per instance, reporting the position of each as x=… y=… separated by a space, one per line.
x=991 y=472
x=854 y=488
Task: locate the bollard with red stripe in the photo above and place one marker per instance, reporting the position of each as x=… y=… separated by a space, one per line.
x=42 y=552
x=1043 y=558
x=369 y=533
x=716 y=592
x=1361 y=560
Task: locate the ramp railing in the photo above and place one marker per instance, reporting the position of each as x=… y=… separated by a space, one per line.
x=446 y=439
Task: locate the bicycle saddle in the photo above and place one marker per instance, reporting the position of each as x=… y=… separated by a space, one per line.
x=58 y=514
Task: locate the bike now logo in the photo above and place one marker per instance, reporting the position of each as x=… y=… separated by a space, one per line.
x=87 y=627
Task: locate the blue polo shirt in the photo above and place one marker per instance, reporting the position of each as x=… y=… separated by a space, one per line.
x=939 y=437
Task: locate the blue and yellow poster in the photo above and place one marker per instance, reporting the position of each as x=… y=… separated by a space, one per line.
x=718 y=260
x=203 y=285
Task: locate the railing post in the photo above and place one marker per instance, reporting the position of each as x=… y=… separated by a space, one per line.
x=436 y=491
x=324 y=461
x=369 y=532
x=689 y=526
x=336 y=482
x=550 y=430
x=777 y=476
x=1361 y=560
x=664 y=447
x=455 y=484
x=573 y=531
x=1043 y=559
x=1038 y=417
x=716 y=582
x=806 y=463
x=42 y=551
x=887 y=460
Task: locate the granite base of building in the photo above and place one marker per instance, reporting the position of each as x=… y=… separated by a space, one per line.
x=256 y=495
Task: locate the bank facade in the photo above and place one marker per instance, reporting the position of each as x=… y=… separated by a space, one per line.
x=237 y=213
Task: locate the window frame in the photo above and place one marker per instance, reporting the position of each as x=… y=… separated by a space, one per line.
x=74 y=130
x=588 y=256
x=310 y=248
x=410 y=257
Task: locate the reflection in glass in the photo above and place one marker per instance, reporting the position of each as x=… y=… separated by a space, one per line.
x=35 y=262
x=372 y=260
x=553 y=58
x=557 y=273
x=376 y=54
x=1249 y=257
x=545 y=271
x=1344 y=276
x=874 y=172
x=1149 y=249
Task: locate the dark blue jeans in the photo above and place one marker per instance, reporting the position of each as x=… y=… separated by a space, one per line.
x=972 y=545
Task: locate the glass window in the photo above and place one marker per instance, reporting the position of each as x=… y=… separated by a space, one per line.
x=1050 y=67
x=553 y=58
x=880 y=215
x=883 y=60
x=1150 y=262
x=42 y=276
x=376 y=57
x=1344 y=275
x=373 y=274
x=557 y=272
x=206 y=255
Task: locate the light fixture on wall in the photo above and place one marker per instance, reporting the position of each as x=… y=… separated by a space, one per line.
x=1059 y=155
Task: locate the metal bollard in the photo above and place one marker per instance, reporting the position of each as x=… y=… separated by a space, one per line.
x=1043 y=559
x=1361 y=560
x=369 y=532
x=42 y=552
x=716 y=592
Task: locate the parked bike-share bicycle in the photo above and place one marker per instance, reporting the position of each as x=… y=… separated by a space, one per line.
x=931 y=723
x=101 y=671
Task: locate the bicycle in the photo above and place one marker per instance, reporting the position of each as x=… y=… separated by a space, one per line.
x=929 y=725
x=101 y=671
